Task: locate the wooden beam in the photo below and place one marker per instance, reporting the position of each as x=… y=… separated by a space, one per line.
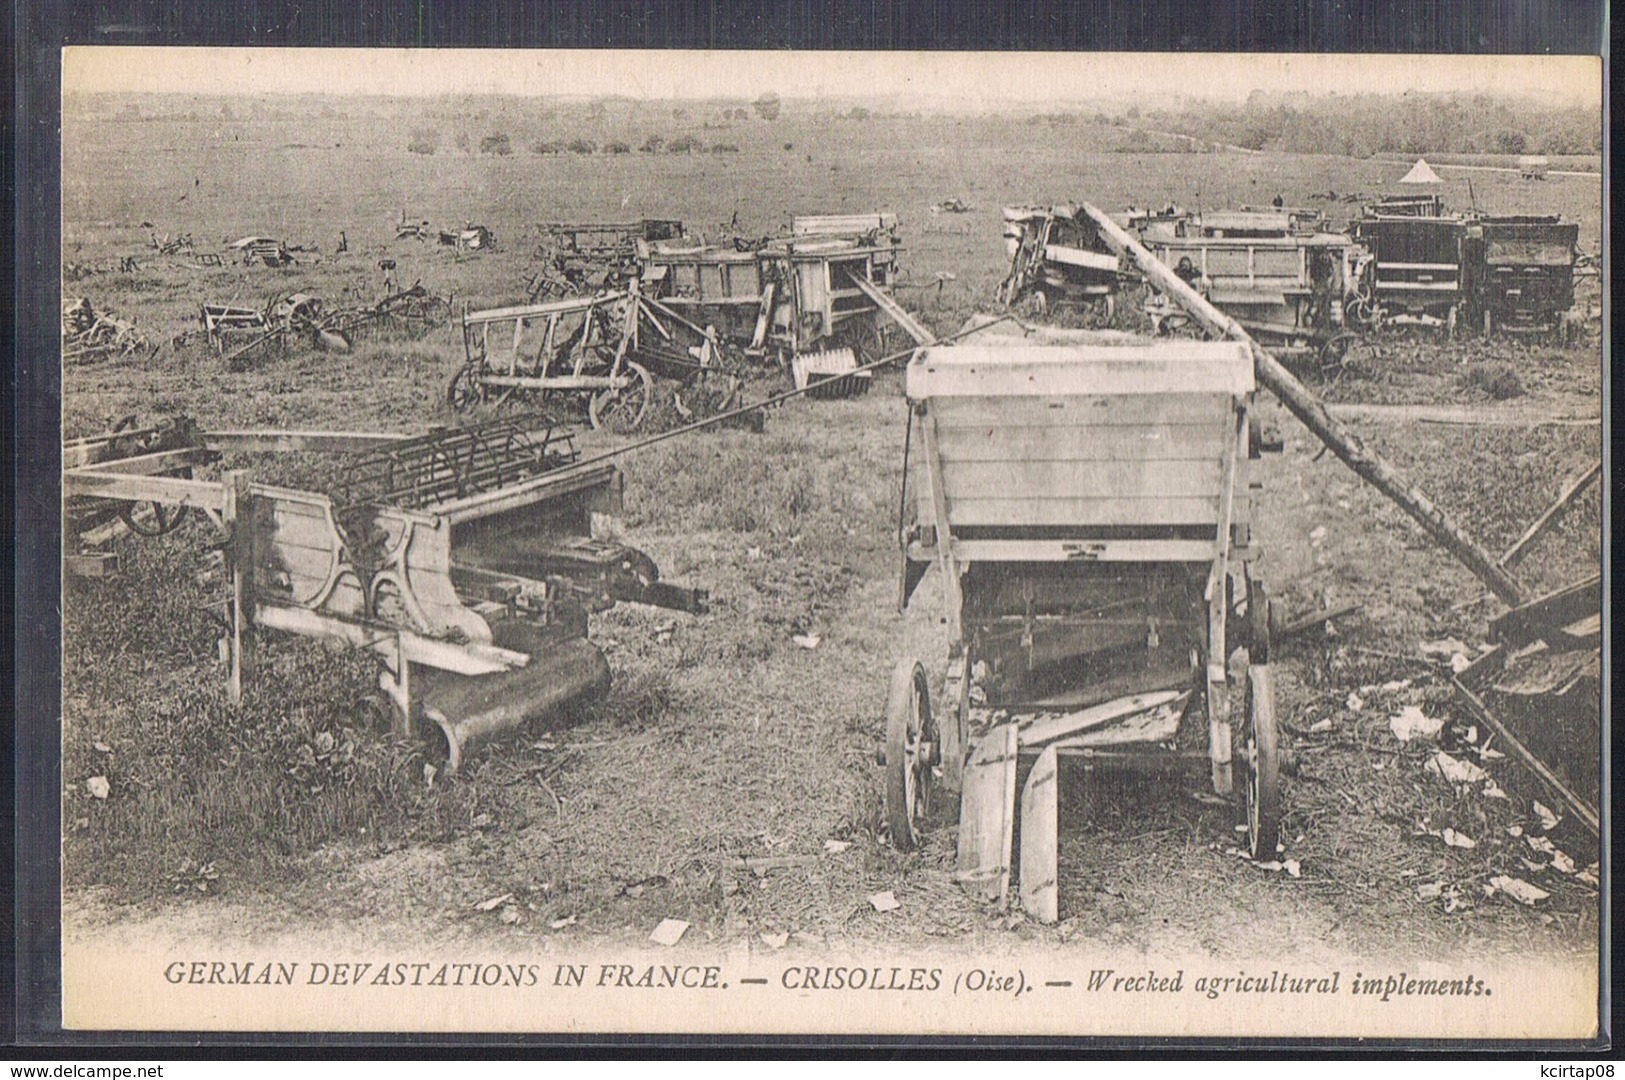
x=1550 y=613
x=1551 y=517
x=1581 y=809
x=284 y=441
x=1297 y=398
x=169 y=490
x=159 y=463
x=463 y=659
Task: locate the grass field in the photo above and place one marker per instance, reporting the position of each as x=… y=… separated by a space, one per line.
x=722 y=739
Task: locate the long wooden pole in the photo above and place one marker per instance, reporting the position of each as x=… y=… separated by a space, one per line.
x=1307 y=408
x=1553 y=514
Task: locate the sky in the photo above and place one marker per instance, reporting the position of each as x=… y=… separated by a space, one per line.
x=975 y=79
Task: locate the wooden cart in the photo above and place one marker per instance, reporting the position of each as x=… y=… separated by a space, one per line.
x=1088 y=508
x=572 y=347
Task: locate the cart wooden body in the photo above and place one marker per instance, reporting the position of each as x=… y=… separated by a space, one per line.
x=1275 y=272
x=1088 y=509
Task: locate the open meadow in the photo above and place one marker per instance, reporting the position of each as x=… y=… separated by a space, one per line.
x=722 y=739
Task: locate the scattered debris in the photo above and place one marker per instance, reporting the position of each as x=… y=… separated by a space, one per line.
x=1454 y=839
x=494 y=902
x=263 y=251
x=885 y=901
x=669 y=932
x=1548 y=820
x=1453 y=770
x=775 y=941
x=98 y=787
x=835 y=847
x=807 y=641
x=1517 y=888
x=88 y=334
x=560 y=924
x=1410 y=723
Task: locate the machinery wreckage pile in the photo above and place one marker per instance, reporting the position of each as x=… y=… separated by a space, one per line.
x=1303 y=288
x=1095 y=557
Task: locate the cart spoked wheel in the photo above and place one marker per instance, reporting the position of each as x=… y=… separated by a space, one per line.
x=463 y=393
x=152 y=519
x=911 y=743
x=1098 y=312
x=623 y=410
x=1261 y=756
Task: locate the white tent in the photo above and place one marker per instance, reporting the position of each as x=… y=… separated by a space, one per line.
x=1421 y=173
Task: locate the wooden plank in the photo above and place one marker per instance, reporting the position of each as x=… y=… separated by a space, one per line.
x=550 y=485
x=1039 y=732
x=92 y=564
x=1581 y=809
x=1155 y=725
x=1553 y=514
x=1172 y=442
x=1582 y=633
x=282 y=441
x=1047 y=370
x=1124 y=478
x=1040 y=840
x=1171 y=551
x=171 y=491
x=463 y=659
x=1548 y=614
x=1083 y=511
x=987 y=816
x=163 y=462
x=1076 y=410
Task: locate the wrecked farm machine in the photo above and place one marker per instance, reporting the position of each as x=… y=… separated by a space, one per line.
x=1278 y=272
x=607 y=347
x=1087 y=507
x=1458 y=271
x=1057 y=258
x=465 y=560
x=820 y=300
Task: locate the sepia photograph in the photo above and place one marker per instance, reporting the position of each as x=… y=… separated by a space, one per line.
x=929 y=544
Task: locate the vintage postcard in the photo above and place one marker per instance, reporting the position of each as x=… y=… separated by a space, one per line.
x=928 y=544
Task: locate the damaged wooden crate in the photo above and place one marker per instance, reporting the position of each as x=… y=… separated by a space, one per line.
x=1088 y=509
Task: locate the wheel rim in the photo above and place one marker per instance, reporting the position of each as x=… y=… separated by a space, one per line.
x=623 y=409
x=165 y=519
x=908 y=767
x=462 y=394
x=1263 y=766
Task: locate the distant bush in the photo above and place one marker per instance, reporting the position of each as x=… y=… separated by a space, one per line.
x=768 y=105
x=547 y=148
x=684 y=144
x=424 y=141
x=617 y=148
x=581 y=146
x=858 y=113
x=1498 y=379
x=724 y=148
x=652 y=145
x=496 y=144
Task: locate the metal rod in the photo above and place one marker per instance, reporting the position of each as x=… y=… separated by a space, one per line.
x=1582 y=810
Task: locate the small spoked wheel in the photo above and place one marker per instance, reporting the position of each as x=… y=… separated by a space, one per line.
x=152 y=519
x=623 y=409
x=911 y=742
x=464 y=392
x=1100 y=310
x=1261 y=755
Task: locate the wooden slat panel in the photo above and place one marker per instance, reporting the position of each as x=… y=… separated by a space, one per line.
x=1040 y=840
x=1075 y=410
x=1191 y=551
x=1109 y=511
x=1094 y=443
x=1059 y=727
x=986 y=816
x=1089 y=479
